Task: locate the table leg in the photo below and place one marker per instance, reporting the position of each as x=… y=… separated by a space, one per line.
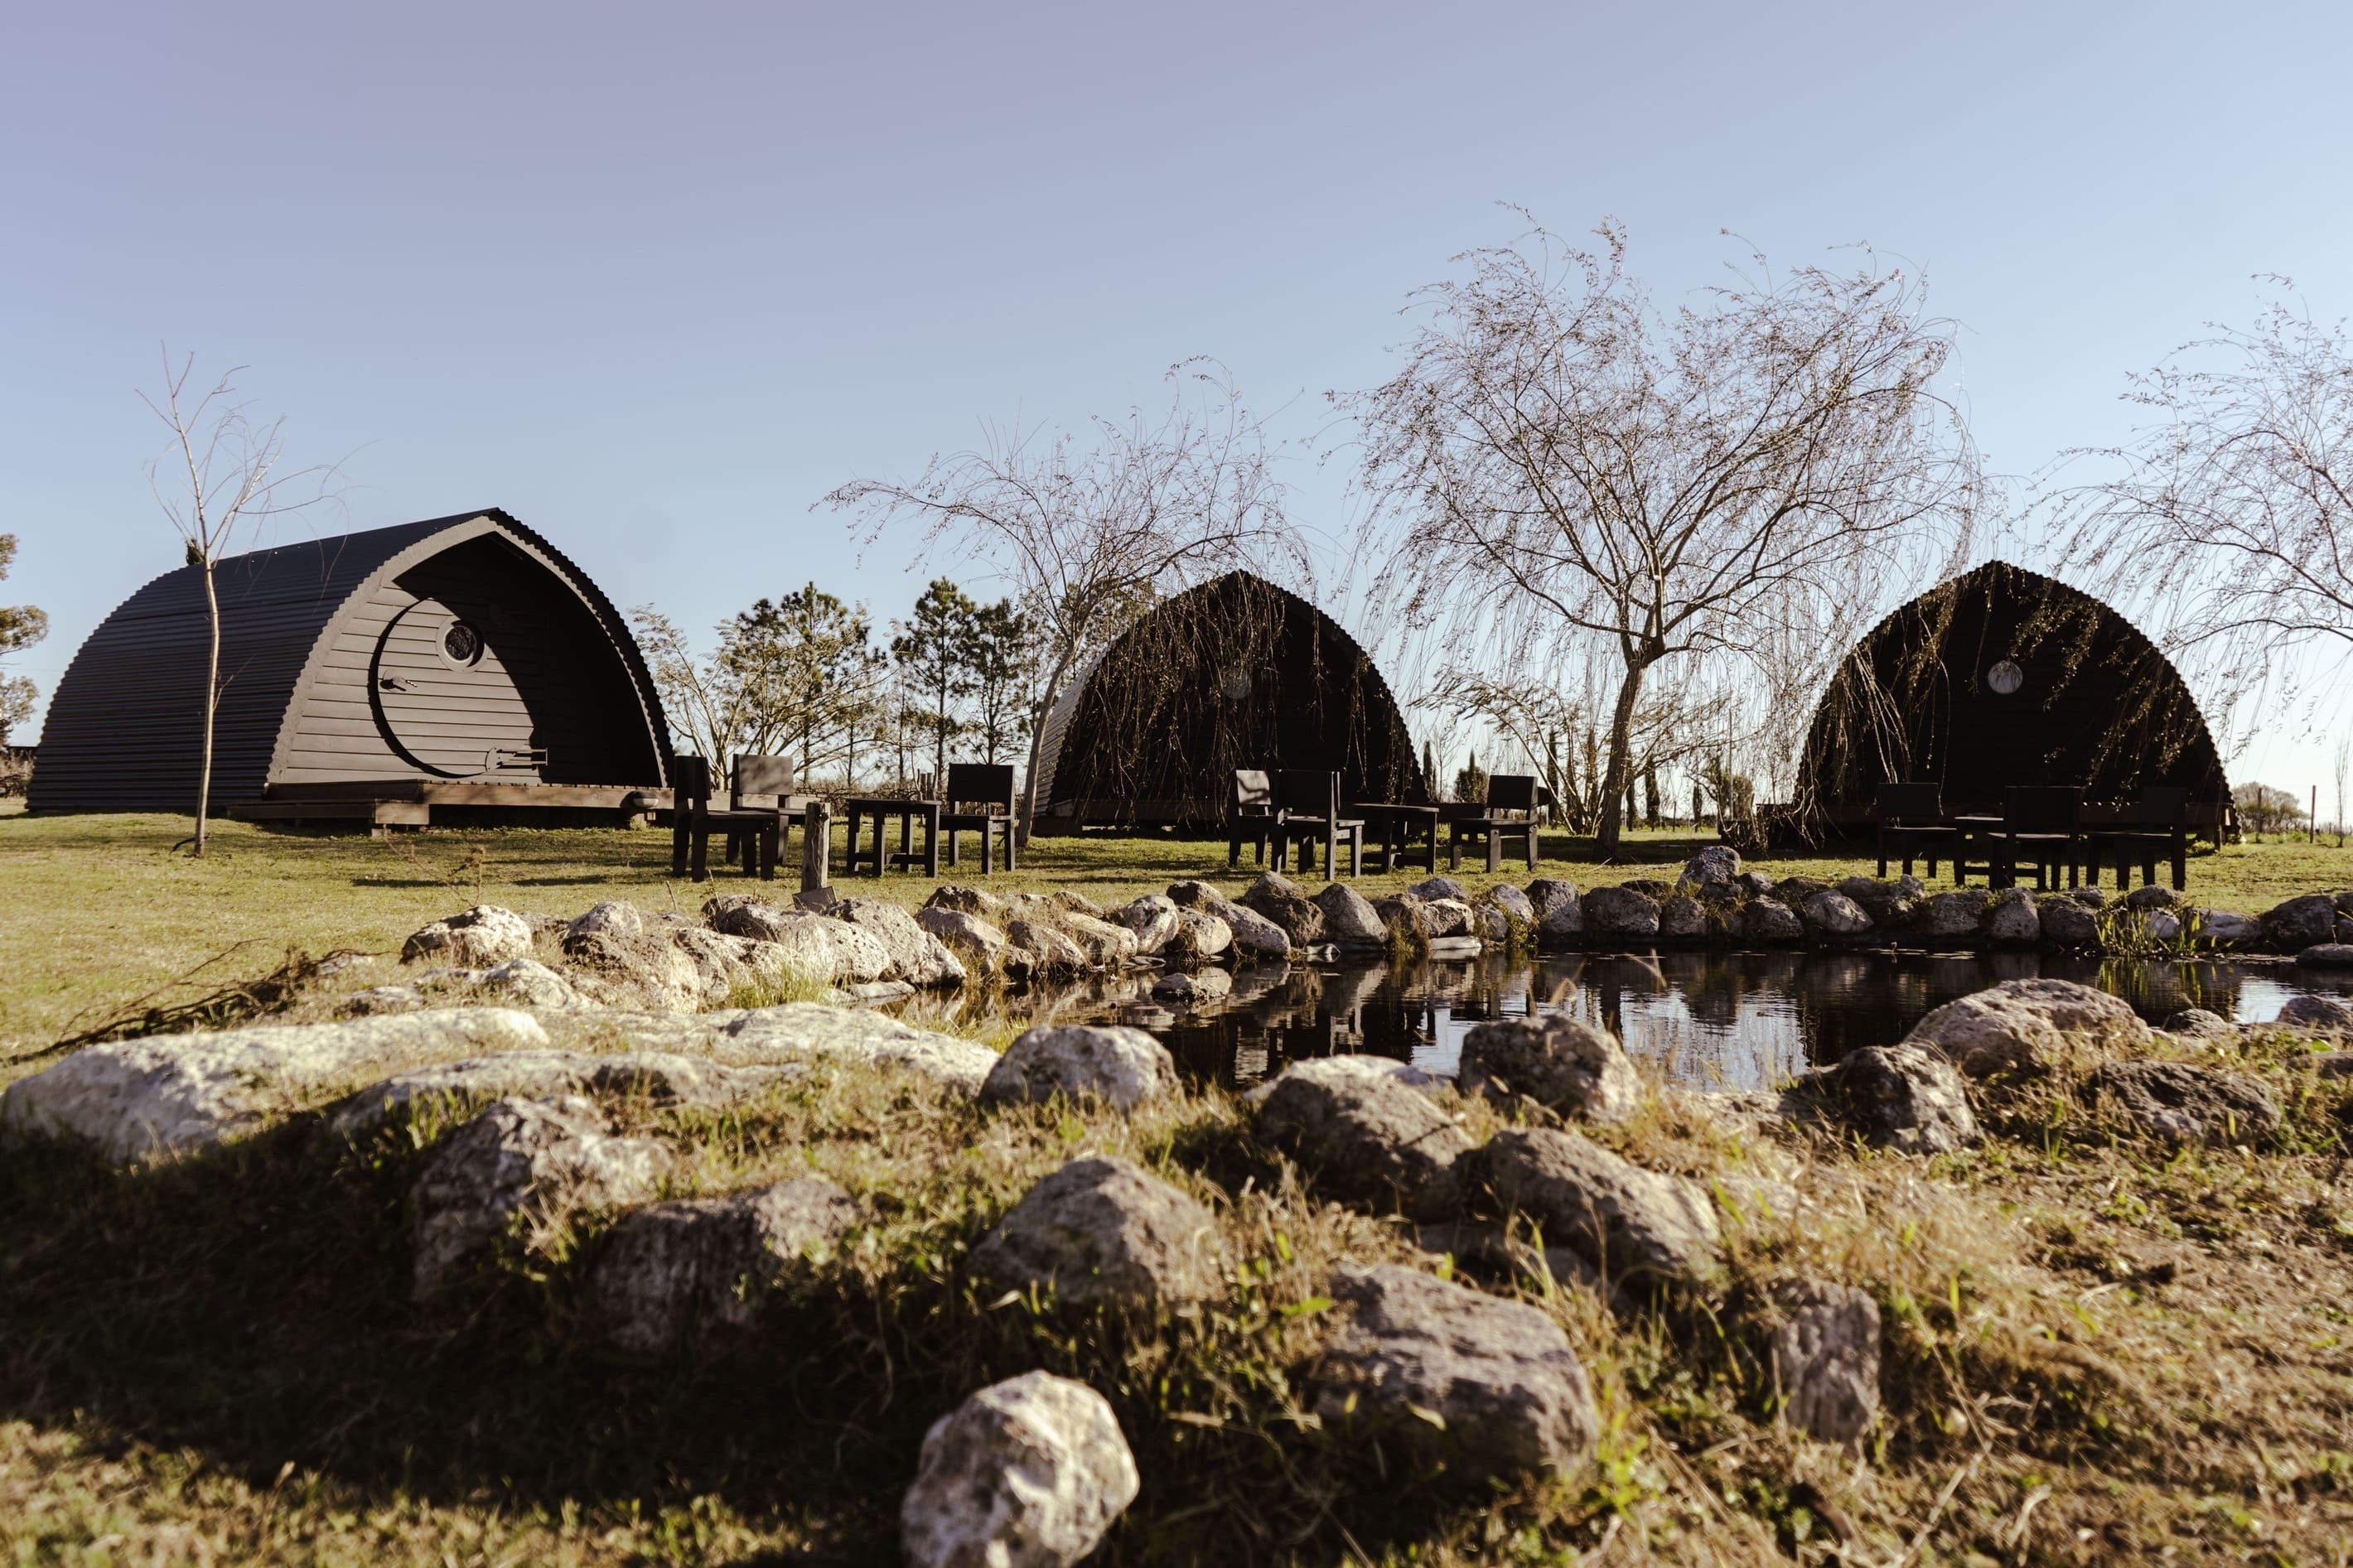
x=931 y=846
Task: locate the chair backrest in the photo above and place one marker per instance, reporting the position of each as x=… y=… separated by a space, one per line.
x=1512 y=792
x=1308 y=792
x=1909 y=802
x=690 y=778
x=2162 y=806
x=980 y=784
x=1253 y=792
x=2041 y=809
x=762 y=776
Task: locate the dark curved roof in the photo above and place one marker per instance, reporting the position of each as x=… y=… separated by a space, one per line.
x=123 y=726
x=2098 y=704
x=1147 y=733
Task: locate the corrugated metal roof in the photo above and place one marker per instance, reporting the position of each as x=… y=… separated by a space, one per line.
x=124 y=726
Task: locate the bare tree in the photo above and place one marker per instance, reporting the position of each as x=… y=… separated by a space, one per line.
x=704 y=705
x=219 y=480
x=21 y=625
x=1568 y=465
x=1089 y=528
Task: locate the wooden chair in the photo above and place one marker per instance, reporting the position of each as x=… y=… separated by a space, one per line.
x=762 y=784
x=693 y=818
x=1508 y=813
x=1307 y=810
x=2156 y=826
x=1250 y=814
x=1911 y=820
x=2040 y=827
x=989 y=786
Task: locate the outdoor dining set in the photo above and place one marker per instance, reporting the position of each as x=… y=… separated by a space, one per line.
x=1282 y=810
x=2046 y=828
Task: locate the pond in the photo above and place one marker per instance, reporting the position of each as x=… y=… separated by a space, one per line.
x=1733 y=1020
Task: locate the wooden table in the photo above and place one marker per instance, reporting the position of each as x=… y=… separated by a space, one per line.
x=908 y=812
x=1403 y=835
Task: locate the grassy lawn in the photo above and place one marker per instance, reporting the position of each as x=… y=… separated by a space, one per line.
x=100 y=911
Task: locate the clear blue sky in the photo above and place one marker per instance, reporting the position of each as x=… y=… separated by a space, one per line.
x=654 y=277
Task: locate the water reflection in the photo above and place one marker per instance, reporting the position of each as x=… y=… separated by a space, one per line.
x=1737 y=1020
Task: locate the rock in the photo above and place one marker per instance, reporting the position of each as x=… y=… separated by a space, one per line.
x=663 y=1077
x=180 y=1094
x=2198 y=1023
x=521 y=1161
x=527 y=982
x=2069 y=923
x=979 y=946
x=2187 y=1103
x=2330 y=1064
x=1887 y=903
x=2026 y=1026
x=1119 y=1067
x=1513 y=902
x=1193 y=893
x=723 y=963
x=746 y=915
x=1202 y=937
x=1447 y=917
x=1771 y=919
x=811 y=1031
x=1454 y=949
x=1491 y=925
x=1027 y=1473
x=1754 y=883
x=1955 y=915
x=1649 y=888
x=817 y=900
x=1107 y=946
x=1349 y=917
x=1102 y=1232
x=1485 y=1388
x=2326 y=955
x=1715 y=863
x=1627 y=1222
x=1044 y=951
x=2161 y=925
x=1403 y=917
x=615 y=939
x=1280 y=900
x=1683 y=919
x=384 y=999
x=1075 y=902
x=1430 y=890
x=1832 y=915
x=1901 y=1098
x=2301 y=922
x=1560 y=913
x=691 y=1270
x=2305 y=1011
x=1559 y=1062
x=1154 y=920
x=1355 y=1066
x=1619 y=914
x=475 y=938
x=2227 y=928
x=967 y=900
x=2015 y=920
x=1824 y=1358
x=2152 y=896
x=1364 y=1139
x=1193 y=988
x=917 y=956
x=1254 y=937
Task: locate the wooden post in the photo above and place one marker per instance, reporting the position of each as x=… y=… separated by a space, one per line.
x=817 y=846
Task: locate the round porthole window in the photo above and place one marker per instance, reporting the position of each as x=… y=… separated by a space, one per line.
x=1234 y=683
x=461 y=644
x=2005 y=677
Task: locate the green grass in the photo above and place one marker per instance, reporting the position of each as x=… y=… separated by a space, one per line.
x=96 y=912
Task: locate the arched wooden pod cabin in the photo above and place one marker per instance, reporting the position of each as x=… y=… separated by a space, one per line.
x=459 y=662
x=1236 y=673
x=2004 y=677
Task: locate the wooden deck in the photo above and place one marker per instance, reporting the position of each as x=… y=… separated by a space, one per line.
x=386 y=804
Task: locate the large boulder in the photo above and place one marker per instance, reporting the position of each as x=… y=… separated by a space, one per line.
x=1831 y=916
x=2305 y=1010
x=1364 y=1138
x=2070 y=923
x=1107 y=946
x=1513 y=902
x=2015 y=920
x=1627 y=1222
x=1192 y=893
x=747 y=915
x=1153 y=918
x=1254 y=937
x=917 y=957
x=1282 y=901
x=1824 y=1356
x=1349 y=917
x=1041 y=948
x=978 y=945
x=522 y=1163
x=2025 y=1026
x=1559 y=1062
x=1203 y=938
x=1114 y=1065
x=1771 y=919
x=475 y=939
x=1683 y=919
x=1430 y=890
x=812 y=1031
x=1955 y=916
x=614 y=941
x=2227 y=928
x=2326 y=955
x=1027 y=1473
x=2300 y=923
x=695 y=1270
x=1560 y=913
x=1487 y=1388
x=171 y=1095
x=1405 y=917
x=1899 y=1097
x=1619 y=914
x=1102 y=1231
x=1449 y=917
x=661 y=1078
x=969 y=900
x=2188 y=1103
x=1715 y=863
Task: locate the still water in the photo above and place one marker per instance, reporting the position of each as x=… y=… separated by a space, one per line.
x=1732 y=1020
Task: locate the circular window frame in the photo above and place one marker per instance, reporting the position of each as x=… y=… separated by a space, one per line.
x=2004 y=679
x=450 y=656
x=1234 y=683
